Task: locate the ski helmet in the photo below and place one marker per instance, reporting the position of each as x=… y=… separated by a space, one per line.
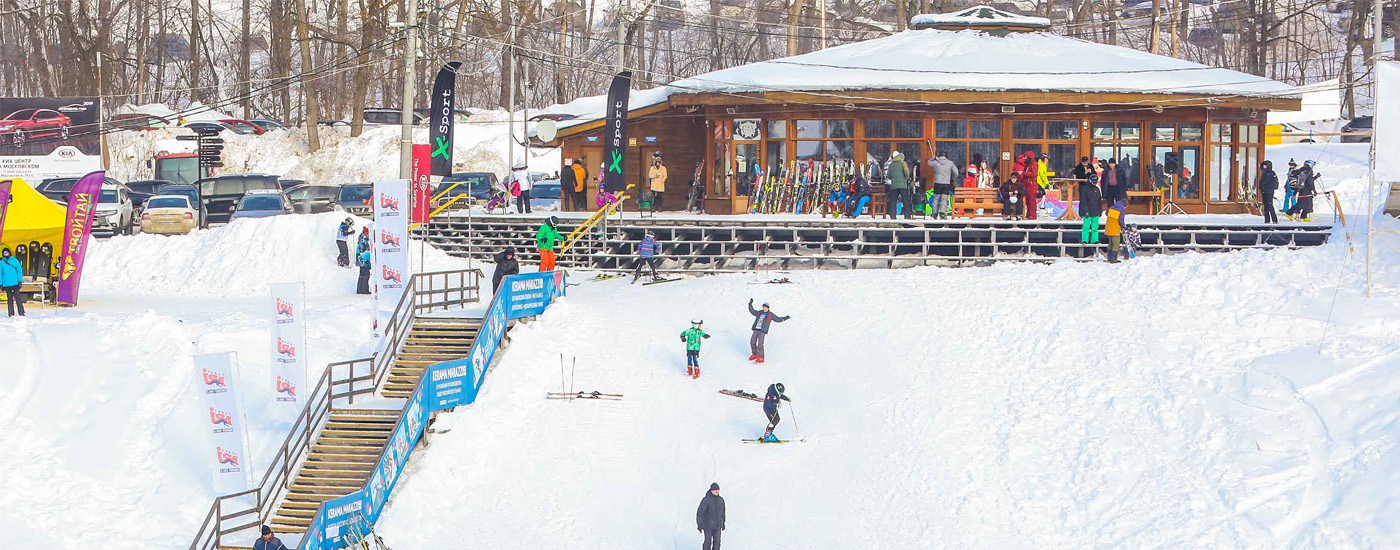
x=553 y=220
x=697 y=321
x=779 y=387
x=1309 y=162
x=765 y=304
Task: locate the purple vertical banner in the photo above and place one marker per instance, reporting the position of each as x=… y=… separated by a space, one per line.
x=76 y=229
x=4 y=204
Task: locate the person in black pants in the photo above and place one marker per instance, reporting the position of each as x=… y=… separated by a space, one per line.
x=11 y=277
x=709 y=517
x=761 y=321
x=1268 y=184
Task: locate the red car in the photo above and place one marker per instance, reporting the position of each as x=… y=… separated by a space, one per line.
x=240 y=126
x=29 y=123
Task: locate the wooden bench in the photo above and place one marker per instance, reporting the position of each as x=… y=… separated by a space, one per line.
x=966 y=201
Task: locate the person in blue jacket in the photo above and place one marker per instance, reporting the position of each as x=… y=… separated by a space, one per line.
x=646 y=250
x=364 y=261
x=771 y=402
x=11 y=275
x=761 y=321
x=267 y=541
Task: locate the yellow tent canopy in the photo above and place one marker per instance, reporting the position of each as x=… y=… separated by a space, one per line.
x=32 y=217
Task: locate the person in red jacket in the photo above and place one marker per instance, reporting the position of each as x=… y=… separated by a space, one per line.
x=1025 y=164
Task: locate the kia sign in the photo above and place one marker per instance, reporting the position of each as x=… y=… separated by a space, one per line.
x=44 y=138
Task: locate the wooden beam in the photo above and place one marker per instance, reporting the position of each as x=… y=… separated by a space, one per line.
x=1012 y=97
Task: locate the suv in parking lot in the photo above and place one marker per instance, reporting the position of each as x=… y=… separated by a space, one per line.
x=477 y=185
x=219 y=195
x=114 y=212
x=354 y=198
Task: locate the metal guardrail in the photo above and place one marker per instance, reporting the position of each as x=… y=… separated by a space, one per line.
x=339 y=382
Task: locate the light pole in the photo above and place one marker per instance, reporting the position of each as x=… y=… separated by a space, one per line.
x=410 y=59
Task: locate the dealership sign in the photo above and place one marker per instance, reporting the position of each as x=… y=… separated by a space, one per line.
x=44 y=138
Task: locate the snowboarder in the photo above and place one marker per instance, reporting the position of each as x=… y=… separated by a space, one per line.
x=11 y=275
x=362 y=244
x=267 y=541
x=1268 y=184
x=761 y=321
x=709 y=517
x=506 y=265
x=944 y=172
x=771 y=402
x=692 y=337
x=646 y=252
x=519 y=186
x=545 y=240
x=342 y=241
x=1090 y=208
x=363 y=260
x=656 y=179
x=1114 y=229
x=1307 y=188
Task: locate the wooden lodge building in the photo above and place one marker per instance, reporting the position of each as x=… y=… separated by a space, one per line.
x=978 y=82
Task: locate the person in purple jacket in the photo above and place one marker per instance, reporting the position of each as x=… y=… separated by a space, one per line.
x=646 y=251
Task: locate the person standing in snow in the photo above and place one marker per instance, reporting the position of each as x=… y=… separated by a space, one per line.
x=1030 y=190
x=1090 y=208
x=1268 y=184
x=363 y=260
x=519 y=186
x=1133 y=238
x=1307 y=188
x=771 y=402
x=1113 y=182
x=362 y=244
x=1114 y=229
x=11 y=276
x=944 y=172
x=656 y=179
x=709 y=517
x=545 y=240
x=267 y=541
x=692 y=337
x=506 y=265
x=342 y=241
x=580 y=182
x=1290 y=187
x=761 y=321
x=646 y=255
x=897 y=182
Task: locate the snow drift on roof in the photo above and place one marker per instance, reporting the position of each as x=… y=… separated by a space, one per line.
x=977 y=16
x=942 y=60
x=590 y=108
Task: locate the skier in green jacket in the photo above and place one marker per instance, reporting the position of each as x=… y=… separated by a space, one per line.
x=545 y=240
x=692 y=337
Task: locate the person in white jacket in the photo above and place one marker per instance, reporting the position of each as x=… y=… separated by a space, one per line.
x=519 y=186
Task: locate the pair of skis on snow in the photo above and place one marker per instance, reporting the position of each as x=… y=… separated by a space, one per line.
x=741 y=394
x=608 y=276
x=585 y=395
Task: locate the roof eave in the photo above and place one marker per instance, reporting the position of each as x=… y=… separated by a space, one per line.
x=1008 y=97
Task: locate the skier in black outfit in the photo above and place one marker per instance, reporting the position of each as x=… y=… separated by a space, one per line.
x=1268 y=184
x=505 y=265
x=1307 y=187
x=267 y=541
x=342 y=241
x=770 y=408
x=761 y=321
x=709 y=517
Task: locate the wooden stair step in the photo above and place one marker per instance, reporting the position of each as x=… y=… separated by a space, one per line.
x=354 y=440
x=328 y=473
x=300 y=522
x=333 y=490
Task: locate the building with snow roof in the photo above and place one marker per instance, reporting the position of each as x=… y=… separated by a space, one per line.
x=976 y=83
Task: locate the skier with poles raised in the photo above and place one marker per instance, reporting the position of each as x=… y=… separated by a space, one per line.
x=771 y=402
x=692 y=338
x=761 y=321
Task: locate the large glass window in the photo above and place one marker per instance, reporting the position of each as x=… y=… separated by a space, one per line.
x=1026 y=129
x=1222 y=155
x=813 y=143
x=950 y=129
x=970 y=141
x=777 y=129
x=909 y=129
x=879 y=129
x=1119 y=141
x=1176 y=156
x=1056 y=139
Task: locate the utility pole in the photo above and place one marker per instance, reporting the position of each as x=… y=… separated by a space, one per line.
x=823 y=10
x=510 y=103
x=623 y=8
x=101 y=129
x=1376 y=56
x=525 y=119
x=410 y=59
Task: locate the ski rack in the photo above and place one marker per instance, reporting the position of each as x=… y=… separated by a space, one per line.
x=701 y=244
x=340 y=383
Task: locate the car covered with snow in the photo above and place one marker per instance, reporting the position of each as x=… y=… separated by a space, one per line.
x=262 y=203
x=114 y=212
x=169 y=215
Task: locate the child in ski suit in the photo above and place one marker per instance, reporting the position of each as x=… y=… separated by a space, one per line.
x=545 y=239
x=646 y=251
x=692 y=337
x=761 y=321
x=342 y=241
x=771 y=402
x=1133 y=238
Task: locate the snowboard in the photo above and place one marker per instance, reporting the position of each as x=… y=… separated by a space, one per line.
x=659 y=281
x=46 y=261
x=760 y=441
x=584 y=395
x=743 y=395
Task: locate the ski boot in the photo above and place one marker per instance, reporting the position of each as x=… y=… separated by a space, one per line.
x=695 y=375
x=690 y=371
x=758 y=360
x=768 y=437
x=752 y=357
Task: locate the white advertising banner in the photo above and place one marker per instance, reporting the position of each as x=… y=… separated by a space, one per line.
x=288 y=348
x=1386 y=125
x=389 y=236
x=222 y=415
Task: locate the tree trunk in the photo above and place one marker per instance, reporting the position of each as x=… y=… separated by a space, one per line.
x=1155 y=36
x=794 y=12
x=715 y=54
x=245 y=70
x=308 y=87
x=363 y=68
x=195 y=94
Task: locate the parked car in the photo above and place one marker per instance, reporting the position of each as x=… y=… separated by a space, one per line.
x=205 y=126
x=288 y=184
x=477 y=185
x=1358 y=125
x=268 y=124
x=138 y=122
x=143 y=190
x=219 y=196
x=25 y=124
x=379 y=116
x=169 y=215
x=189 y=191
x=545 y=195
x=57 y=189
x=240 y=126
x=114 y=212
x=313 y=199
x=355 y=199
x=262 y=203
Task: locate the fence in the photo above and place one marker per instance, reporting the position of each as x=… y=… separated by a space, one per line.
x=340 y=382
x=443 y=386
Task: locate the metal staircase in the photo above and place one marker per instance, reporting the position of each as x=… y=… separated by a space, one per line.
x=431 y=340
x=340 y=461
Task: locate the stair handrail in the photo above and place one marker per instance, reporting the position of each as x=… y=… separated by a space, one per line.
x=309 y=421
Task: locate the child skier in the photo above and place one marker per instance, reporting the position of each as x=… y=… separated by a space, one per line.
x=761 y=321
x=771 y=402
x=1133 y=238
x=646 y=252
x=1290 y=186
x=692 y=337
x=342 y=241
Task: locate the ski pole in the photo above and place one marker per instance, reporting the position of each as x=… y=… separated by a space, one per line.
x=794 y=417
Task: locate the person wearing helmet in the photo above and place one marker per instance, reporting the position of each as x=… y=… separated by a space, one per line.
x=761 y=320
x=545 y=241
x=646 y=255
x=506 y=265
x=771 y=402
x=342 y=241
x=1307 y=188
x=692 y=337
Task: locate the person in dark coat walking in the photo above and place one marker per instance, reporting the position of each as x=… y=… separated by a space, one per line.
x=1268 y=184
x=505 y=265
x=709 y=517
x=761 y=321
x=267 y=541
